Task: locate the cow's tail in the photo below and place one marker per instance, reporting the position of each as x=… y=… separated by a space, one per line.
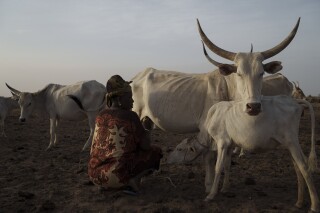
x=312 y=161
x=78 y=102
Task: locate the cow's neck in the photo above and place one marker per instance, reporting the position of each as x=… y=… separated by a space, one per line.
x=40 y=99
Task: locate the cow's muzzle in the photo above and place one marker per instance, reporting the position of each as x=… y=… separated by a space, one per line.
x=253 y=108
x=22 y=119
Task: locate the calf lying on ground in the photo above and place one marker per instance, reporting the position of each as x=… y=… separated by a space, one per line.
x=6 y=105
x=278 y=124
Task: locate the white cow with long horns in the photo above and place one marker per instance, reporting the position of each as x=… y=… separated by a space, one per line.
x=54 y=100
x=256 y=122
x=179 y=102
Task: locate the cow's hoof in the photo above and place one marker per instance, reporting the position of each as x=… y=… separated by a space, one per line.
x=48 y=148
x=313 y=211
x=208 y=190
x=225 y=189
x=208 y=199
x=299 y=205
x=242 y=155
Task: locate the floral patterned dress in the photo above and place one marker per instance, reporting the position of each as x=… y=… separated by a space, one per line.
x=116 y=155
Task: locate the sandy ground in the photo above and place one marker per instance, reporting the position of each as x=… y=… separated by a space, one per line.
x=35 y=180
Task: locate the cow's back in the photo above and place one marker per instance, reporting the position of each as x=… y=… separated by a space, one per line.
x=90 y=93
x=276 y=84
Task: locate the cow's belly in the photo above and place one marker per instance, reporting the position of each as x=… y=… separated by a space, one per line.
x=254 y=134
x=176 y=125
x=72 y=115
x=255 y=142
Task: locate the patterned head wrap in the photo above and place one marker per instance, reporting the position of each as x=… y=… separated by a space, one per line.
x=116 y=86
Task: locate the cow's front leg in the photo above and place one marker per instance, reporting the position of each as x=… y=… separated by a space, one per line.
x=209 y=160
x=221 y=157
x=226 y=179
x=301 y=186
x=55 y=133
x=52 y=133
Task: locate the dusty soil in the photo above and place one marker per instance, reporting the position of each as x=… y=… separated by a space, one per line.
x=35 y=180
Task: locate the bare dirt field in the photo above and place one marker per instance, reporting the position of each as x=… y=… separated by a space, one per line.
x=35 y=180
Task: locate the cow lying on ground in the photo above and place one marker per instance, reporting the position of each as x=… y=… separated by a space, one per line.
x=6 y=105
x=54 y=101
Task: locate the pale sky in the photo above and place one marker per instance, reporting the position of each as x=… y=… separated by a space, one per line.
x=66 y=41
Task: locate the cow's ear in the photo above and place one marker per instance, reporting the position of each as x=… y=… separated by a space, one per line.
x=272 y=67
x=227 y=69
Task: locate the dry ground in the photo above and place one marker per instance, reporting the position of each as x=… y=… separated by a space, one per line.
x=35 y=180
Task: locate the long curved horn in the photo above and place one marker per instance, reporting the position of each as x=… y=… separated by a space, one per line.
x=17 y=92
x=275 y=50
x=251 y=48
x=217 y=50
x=208 y=57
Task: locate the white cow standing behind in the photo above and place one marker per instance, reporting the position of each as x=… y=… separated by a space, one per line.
x=7 y=104
x=54 y=101
x=281 y=83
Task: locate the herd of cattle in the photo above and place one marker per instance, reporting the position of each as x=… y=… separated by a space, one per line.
x=219 y=106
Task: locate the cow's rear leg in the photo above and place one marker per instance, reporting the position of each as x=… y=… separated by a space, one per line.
x=301 y=186
x=91 y=120
x=299 y=159
x=88 y=142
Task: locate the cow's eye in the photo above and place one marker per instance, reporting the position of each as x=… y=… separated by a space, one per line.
x=261 y=74
x=29 y=104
